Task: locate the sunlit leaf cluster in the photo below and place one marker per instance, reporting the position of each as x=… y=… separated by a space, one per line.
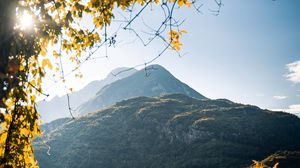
x=257 y=164
x=174 y=37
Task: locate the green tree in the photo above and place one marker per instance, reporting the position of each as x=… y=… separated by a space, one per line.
x=27 y=29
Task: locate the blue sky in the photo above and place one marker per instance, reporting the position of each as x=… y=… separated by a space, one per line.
x=242 y=54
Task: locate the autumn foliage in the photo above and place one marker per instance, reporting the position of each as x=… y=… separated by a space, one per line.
x=25 y=58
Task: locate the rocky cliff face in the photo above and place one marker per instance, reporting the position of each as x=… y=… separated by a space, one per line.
x=170 y=131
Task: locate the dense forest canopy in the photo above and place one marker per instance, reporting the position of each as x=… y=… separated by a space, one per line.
x=27 y=29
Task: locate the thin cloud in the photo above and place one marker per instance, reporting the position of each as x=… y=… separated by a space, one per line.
x=294 y=72
x=260 y=95
x=279 y=97
x=294 y=109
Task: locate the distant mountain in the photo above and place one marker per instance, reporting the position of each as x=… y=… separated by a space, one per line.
x=57 y=107
x=169 y=131
x=159 y=82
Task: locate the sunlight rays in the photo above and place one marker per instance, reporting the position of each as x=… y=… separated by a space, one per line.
x=26 y=21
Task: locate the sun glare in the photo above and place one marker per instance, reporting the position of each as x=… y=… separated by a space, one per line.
x=26 y=21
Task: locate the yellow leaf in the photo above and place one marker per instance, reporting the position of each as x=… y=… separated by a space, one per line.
x=55 y=54
x=33 y=98
x=24 y=131
x=184 y=31
x=9 y=103
x=73 y=58
x=46 y=63
x=32 y=82
x=181 y=3
x=56 y=69
x=43 y=52
x=188 y=4
x=39 y=81
x=3 y=136
x=3 y=125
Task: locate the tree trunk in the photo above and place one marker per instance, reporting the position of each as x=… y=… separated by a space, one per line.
x=7 y=22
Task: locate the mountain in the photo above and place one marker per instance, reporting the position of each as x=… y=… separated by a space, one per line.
x=58 y=108
x=48 y=127
x=159 y=82
x=169 y=131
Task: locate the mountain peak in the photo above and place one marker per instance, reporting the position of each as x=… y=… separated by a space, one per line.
x=154 y=80
x=156 y=66
x=121 y=72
